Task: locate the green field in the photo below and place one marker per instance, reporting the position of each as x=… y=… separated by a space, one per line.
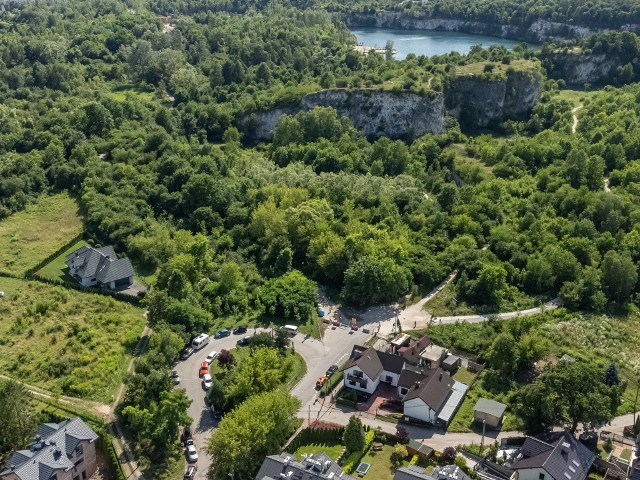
x=66 y=341
x=30 y=236
x=333 y=449
x=57 y=269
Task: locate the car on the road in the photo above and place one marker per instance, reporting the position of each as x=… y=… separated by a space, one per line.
x=244 y=341
x=216 y=414
x=175 y=377
x=204 y=369
x=321 y=381
x=239 y=330
x=211 y=357
x=225 y=332
x=186 y=353
x=192 y=453
x=206 y=381
x=331 y=370
x=190 y=472
x=186 y=435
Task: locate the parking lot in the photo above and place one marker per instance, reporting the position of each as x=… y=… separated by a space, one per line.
x=334 y=349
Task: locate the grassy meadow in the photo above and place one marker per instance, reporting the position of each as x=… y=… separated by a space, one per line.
x=30 y=236
x=65 y=341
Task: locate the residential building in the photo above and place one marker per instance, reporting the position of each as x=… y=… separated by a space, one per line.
x=550 y=456
x=367 y=367
x=100 y=266
x=60 y=451
x=451 y=363
x=433 y=398
x=423 y=352
x=446 y=472
x=489 y=411
x=634 y=465
x=311 y=467
x=553 y=456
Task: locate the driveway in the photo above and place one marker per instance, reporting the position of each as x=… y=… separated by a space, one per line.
x=334 y=348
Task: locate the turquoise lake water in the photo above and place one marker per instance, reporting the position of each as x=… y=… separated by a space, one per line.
x=425 y=42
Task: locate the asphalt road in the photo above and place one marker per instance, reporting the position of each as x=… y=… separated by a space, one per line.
x=319 y=355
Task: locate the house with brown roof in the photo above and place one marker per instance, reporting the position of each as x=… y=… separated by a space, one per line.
x=367 y=367
x=430 y=396
x=422 y=352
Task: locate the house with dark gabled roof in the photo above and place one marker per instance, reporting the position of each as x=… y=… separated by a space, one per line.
x=553 y=456
x=311 y=467
x=367 y=367
x=431 y=396
x=422 y=352
x=60 y=451
x=100 y=266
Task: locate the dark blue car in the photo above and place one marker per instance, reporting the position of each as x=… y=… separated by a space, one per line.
x=222 y=333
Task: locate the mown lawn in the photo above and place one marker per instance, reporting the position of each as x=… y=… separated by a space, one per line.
x=380 y=460
x=30 y=236
x=57 y=269
x=66 y=341
x=333 y=449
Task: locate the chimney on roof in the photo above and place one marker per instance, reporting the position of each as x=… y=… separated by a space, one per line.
x=566 y=447
x=12 y=467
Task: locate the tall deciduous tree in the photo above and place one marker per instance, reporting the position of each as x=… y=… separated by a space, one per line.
x=619 y=275
x=257 y=428
x=18 y=419
x=503 y=354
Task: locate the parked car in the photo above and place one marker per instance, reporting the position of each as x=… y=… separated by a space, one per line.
x=186 y=435
x=186 y=353
x=225 y=332
x=331 y=370
x=216 y=414
x=192 y=453
x=211 y=357
x=190 y=472
x=175 y=377
x=204 y=369
x=321 y=381
x=239 y=330
x=243 y=341
x=206 y=381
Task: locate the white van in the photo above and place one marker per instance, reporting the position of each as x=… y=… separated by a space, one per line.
x=292 y=329
x=200 y=341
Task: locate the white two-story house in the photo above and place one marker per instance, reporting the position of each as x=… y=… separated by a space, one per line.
x=368 y=367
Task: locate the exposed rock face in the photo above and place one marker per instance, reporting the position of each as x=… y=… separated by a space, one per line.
x=538 y=31
x=477 y=101
x=483 y=102
x=578 y=69
x=376 y=113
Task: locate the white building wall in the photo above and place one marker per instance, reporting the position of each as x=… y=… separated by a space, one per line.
x=371 y=384
x=86 y=282
x=416 y=408
x=533 y=474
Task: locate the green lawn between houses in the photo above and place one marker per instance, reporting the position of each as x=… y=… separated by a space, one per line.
x=57 y=269
x=66 y=341
x=30 y=236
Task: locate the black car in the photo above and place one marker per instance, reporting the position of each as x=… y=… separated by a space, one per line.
x=186 y=353
x=186 y=436
x=222 y=333
x=331 y=370
x=243 y=341
x=240 y=330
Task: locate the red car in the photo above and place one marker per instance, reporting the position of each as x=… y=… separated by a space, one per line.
x=204 y=369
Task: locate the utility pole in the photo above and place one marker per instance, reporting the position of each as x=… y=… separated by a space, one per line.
x=309 y=416
x=482 y=441
x=635 y=406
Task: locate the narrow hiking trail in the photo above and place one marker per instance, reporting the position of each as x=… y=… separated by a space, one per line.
x=575 y=118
